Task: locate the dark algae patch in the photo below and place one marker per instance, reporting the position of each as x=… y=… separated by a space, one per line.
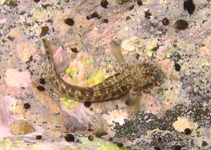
x=166 y=136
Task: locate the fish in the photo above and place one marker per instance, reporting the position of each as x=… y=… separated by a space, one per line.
x=128 y=80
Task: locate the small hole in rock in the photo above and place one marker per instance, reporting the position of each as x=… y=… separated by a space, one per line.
x=187 y=131
x=38 y=137
x=69 y=138
x=26 y=106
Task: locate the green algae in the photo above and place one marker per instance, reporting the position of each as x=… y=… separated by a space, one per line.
x=12 y=143
x=73 y=72
x=110 y=147
x=4 y=143
x=70 y=103
x=96 y=79
x=99 y=143
x=71 y=31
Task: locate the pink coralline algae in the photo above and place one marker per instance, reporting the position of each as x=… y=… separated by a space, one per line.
x=15 y=78
x=61 y=60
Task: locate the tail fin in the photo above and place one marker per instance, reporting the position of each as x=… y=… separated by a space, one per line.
x=49 y=54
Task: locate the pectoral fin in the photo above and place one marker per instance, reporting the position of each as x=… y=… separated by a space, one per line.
x=133 y=102
x=116 y=50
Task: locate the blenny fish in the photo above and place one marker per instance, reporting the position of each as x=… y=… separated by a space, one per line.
x=129 y=80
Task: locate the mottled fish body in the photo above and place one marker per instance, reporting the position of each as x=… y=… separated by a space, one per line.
x=115 y=86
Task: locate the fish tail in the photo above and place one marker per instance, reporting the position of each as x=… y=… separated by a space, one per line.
x=49 y=55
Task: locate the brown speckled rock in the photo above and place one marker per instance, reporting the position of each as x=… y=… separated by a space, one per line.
x=21 y=127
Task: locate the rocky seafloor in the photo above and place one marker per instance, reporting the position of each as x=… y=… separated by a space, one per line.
x=172 y=34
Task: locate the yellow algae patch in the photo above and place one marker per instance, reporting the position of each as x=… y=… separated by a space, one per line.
x=21 y=127
x=9 y=143
x=69 y=103
x=84 y=72
x=96 y=79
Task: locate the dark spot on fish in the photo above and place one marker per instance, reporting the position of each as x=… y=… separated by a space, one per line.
x=70 y=94
x=41 y=88
x=124 y=88
x=159 y=139
x=117 y=92
x=26 y=106
x=98 y=97
x=69 y=138
x=103 y=93
x=63 y=89
x=80 y=97
x=72 y=90
x=56 y=82
x=107 y=97
x=83 y=92
x=91 y=92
